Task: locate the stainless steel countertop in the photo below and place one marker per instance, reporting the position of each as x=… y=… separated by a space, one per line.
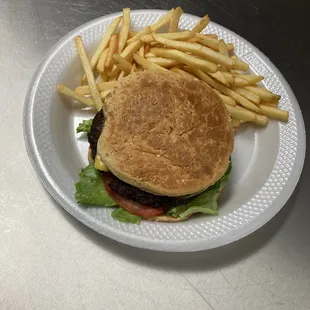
x=48 y=260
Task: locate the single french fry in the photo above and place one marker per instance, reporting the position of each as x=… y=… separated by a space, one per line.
x=101 y=61
x=85 y=90
x=223 y=48
x=202 y=24
x=225 y=90
x=183 y=73
x=164 y=20
x=123 y=35
x=139 y=34
x=122 y=63
x=141 y=50
x=104 y=43
x=88 y=72
x=220 y=77
x=174 y=23
x=265 y=94
x=211 y=35
x=68 y=92
x=242 y=115
x=149 y=55
x=241 y=65
x=274 y=113
x=239 y=81
x=164 y=62
x=236 y=122
x=247 y=94
x=197 y=49
x=274 y=104
x=212 y=42
x=113 y=46
x=226 y=99
x=148 y=65
x=251 y=79
x=184 y=58
x=177 y=36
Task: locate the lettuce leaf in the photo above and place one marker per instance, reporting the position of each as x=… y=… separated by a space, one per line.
x=90 y=189
x=84 y=126
x=123 y=215
x=206 y=202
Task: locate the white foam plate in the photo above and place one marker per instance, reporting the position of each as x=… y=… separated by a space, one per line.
x=267 y=162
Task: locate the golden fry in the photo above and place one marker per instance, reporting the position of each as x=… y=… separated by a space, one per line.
x=183 y=73
x=261 y=120
x=197 y=49
x=88 y=72
x=225 y=90
x=164 y=20
x=139 y=34
x=265 y=94
x=251 y=79
x=62 y=89
x=177 y=36
x=121 y=75
x=141 y=50
x=101 y=61
x=212 y=42
x=275 y=113
x=246 y=116
x=113 y=46
x=241 y=65
x=202 y=24
x=164 y=62
x=189 y=60
x=220 y=77
x=122 y=63
x=149 y=55
x=236 y=122
x=104 y=93
x=223 y=48
x=148 y=65
x=247 y=94
x=226 y=99
x=85 y=90
x=104 y=43
x=123 y=35
x=274 y=104
x=174 y=24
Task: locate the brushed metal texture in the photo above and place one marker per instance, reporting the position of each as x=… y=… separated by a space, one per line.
x=47 y=262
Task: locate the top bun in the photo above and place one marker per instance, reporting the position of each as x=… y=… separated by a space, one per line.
x=165 y=134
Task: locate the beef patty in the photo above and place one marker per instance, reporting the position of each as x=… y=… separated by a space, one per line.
x=121 y=187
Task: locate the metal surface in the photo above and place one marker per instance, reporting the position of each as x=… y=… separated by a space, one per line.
x=50 y=261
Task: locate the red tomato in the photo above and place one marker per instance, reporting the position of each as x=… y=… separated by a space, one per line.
x=130 y=205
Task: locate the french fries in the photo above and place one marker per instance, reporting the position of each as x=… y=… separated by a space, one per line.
x=148 y=65
x=189 y=53
x=189 y=60
x=197 y=49
x=68 y=92
x=104 y=43
x=122 y=63
x=163 y=62
x=112 y=50
x=85 y=90
x=202 y=24
x=123 y=36
x=174 y=23
x=88 y=72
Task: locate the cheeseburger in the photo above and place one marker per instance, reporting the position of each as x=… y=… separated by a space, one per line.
x=160 y=147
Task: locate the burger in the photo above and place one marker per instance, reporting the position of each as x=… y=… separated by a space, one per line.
x=159 y=149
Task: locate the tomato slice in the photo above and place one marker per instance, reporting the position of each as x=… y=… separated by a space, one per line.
x=130 y=205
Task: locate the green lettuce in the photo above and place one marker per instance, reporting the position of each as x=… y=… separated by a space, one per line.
x=206 y=202
x=90 y=189
x=84 y=126
x=123 y=215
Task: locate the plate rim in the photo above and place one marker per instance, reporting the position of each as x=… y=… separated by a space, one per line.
x=179 y=245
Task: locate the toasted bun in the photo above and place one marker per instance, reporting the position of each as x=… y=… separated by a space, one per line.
x=165 y=134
